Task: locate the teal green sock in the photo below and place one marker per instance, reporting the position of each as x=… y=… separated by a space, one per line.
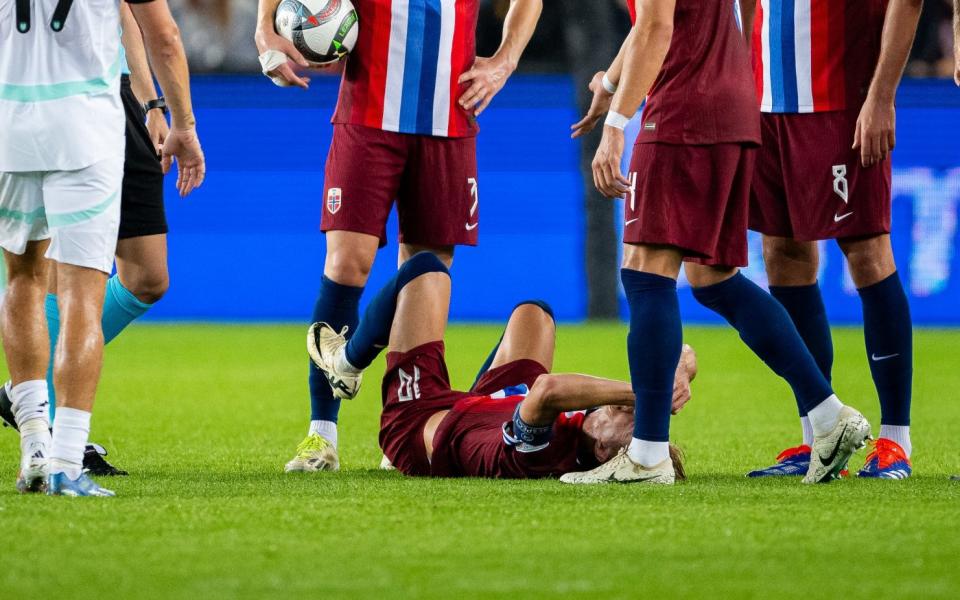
x=120 y=308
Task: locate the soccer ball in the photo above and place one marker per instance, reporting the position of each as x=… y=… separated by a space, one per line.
x=324 y=31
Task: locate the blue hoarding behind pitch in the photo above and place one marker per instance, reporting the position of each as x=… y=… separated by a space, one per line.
x=247 y=245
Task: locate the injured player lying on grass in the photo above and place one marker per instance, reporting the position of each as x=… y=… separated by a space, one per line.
x=517 y=420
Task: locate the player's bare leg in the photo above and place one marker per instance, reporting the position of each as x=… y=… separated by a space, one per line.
x=888 y=332
x=142 y=266
x=530 y=334
x=25 y=343
x=77 y=363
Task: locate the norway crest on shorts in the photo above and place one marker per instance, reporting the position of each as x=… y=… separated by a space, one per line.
x=334 y=200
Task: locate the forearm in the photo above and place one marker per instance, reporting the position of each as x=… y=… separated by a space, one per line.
x=518 y=28
x=642 y=62
x=956 y=24
x=558 y=393
x=161 y=37
x=141 y=79
x=899 y=29
x=615 y=72
x=266 y=9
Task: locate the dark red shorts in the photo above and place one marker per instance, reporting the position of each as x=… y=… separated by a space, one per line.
x=809 y=184
x=416 y=386
x=695 y=198
x=432 y=179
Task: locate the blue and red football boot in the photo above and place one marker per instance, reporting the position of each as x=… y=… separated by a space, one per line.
x=792 y=462
x=886 y=461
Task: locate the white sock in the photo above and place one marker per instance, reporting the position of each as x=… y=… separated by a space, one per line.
x=899 y=434
x=343 y=364
x=648 y=454
x=807 y=431
x=824 y=416
x=325 y=429
x=31 y=400
x=71 y=429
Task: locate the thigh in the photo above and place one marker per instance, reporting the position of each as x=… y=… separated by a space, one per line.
x=439 y=202
x=142 y=211
x=362 y=177
x=83 y=213
x=23 y=218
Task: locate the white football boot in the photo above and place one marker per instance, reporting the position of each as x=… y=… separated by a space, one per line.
x=34 y=469
x=830 y=453
x=315 y=453
x=620 y=469
x=326 y=348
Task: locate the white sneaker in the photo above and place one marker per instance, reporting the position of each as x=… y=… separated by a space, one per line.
x=326 y=347
x=620 y=469
x=386 y=465
x=830 y=453
x=34 y=469
x=315 y=453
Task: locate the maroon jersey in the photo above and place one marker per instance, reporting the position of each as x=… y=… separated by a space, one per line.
x=469 y=443
x=704 y=93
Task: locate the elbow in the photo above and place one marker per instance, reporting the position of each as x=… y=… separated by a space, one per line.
x=546 y=388
x=164 y=41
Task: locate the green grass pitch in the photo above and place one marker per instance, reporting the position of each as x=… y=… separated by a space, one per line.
x=204 y=417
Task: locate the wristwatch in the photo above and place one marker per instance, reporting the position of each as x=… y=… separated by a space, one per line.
x=158 y=103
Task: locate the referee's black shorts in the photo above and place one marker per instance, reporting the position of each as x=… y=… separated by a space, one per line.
x=141 y=203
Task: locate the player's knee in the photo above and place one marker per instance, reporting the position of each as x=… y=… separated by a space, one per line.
x=537 y=307
x=150 y=288
x=420 y=264
x=870 y=259
x=347 y=268
x=790 y=262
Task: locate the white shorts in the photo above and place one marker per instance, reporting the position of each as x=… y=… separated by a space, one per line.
x=79 y=211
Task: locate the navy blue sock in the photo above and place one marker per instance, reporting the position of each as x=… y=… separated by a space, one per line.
x=337 y=305
x=653 y=349
x=373 y=333
x=765 y=326
x=493 y=353
x=888 y=332
x=804 y=304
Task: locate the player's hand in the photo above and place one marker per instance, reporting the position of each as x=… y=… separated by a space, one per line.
x=686 y=371
x=282 y=74
x=599 y=106
x=183 y=144
x=158 y=128
x=487 y=77
x=607 y=177
x=876 y=133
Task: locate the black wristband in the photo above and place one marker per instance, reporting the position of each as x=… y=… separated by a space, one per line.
x=158 y=103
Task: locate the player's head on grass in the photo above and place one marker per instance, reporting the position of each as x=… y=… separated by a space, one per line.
x=608 y=429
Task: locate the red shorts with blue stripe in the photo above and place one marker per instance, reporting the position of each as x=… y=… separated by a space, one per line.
x=809 y=183
x=433 y=181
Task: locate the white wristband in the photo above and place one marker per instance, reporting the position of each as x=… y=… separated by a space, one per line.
x=608 y=85
x=616 y=120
